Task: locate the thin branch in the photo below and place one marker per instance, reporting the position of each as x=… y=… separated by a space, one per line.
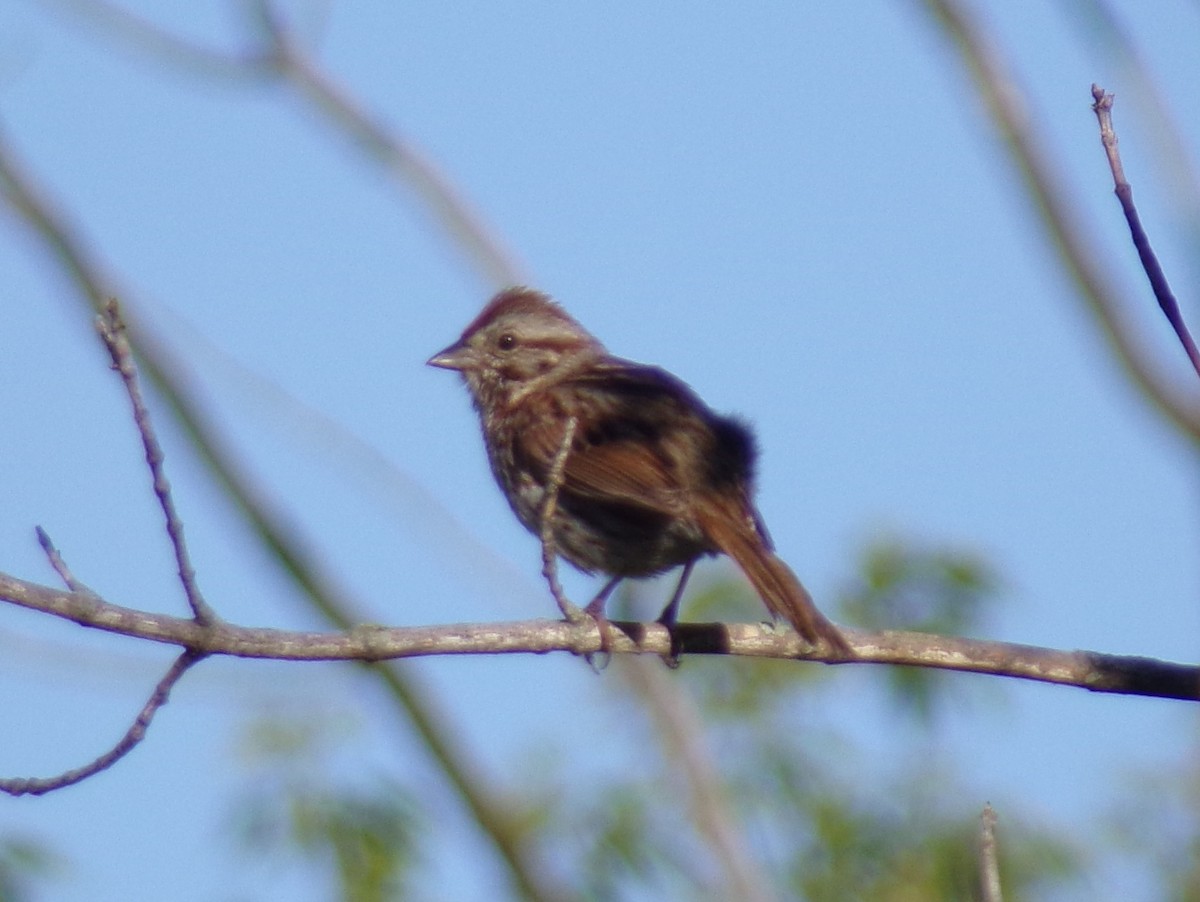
x=989 y=861
x=37 y=786
x=571 y=613
x=279 y=56
x=57 y=562
x=1124 y=191
x=549 y=508
x=1098 y=21
x=144 y=36
x=1003 y=98
x=112 y=329
x=1094 y=671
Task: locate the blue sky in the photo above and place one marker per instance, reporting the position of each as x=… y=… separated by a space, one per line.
x=798 y=208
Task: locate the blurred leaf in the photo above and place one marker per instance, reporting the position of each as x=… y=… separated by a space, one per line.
x=295 y=739
x=940 y=591
x=367 y=834
x=819 y=826
x=24 y=866
x=1168 y=797
x=929 y=590
x=620 y=846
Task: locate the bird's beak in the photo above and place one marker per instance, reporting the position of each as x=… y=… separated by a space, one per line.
x=455 y=357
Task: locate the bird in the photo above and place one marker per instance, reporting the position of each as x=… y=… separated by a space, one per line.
x=652 y=478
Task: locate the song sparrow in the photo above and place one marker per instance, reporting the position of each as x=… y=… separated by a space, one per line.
x=653 y=478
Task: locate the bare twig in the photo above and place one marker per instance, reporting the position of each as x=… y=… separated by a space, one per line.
x=1098 y=21
x=112 y=330
x=571 y=613
x=554 y=478
x=1083 y=669
x=136 y=733
x=1124 y=191
x=989 y=861
x=57 y=562
x=1003 y=98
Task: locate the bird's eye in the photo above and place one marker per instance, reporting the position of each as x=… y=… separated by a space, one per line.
x=506 y=342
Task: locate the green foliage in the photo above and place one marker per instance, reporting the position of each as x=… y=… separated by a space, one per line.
x=1168 y=797
x=623 y=842
x=365 y=835
x=24 y=864
x=821 y=819
x=934 y=591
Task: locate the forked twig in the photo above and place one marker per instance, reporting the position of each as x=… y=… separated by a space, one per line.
x=1158 y=280
x=679 y=725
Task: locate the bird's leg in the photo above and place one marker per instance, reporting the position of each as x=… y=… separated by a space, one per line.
x=595 y=610
x=671 y=612
x=596 y=605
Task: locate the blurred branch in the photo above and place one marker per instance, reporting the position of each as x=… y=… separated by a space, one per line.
x=144 y=36
x=398 y=157
x=277 y=55
x=989 y=860
x=680 y=726
x=496 y=822
x=1086 y=670
x=1003 y=98
x=1124 y=191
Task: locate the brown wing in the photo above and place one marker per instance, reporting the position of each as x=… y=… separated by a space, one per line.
x=628 y=451
x=625 y=471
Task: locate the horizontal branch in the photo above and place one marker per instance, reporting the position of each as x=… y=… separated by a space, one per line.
x=1088 y=670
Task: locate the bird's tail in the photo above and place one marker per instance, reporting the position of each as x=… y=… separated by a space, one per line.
x=735 y=534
